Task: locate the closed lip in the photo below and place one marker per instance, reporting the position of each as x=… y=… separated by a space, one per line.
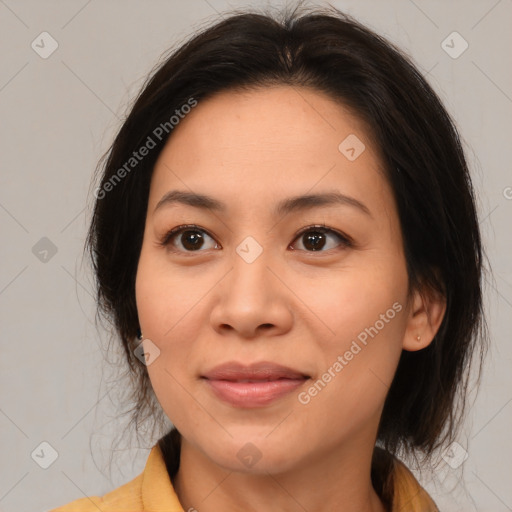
x=255 y=372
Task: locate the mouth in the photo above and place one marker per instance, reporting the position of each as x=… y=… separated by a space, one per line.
x=255 y=385
x=261 y=371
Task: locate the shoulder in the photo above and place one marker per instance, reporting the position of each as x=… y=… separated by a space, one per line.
x=408 y=493
x=151 y=490
x=397 y=486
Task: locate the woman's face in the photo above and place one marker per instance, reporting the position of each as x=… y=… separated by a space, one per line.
x=243 y=286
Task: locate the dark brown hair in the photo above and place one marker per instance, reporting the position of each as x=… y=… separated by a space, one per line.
x=325 y=50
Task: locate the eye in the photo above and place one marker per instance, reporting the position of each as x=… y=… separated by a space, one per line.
x=316 y=238
x=192 y=238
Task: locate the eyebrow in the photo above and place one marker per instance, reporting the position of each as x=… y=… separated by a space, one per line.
x=289 y=205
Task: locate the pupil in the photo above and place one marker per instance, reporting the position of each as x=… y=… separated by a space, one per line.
x=194 y=237
x=194 y=240
x=313 y=240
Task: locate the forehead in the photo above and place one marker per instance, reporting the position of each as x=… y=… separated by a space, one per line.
x=248 y=147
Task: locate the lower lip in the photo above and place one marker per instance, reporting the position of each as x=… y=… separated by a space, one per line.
x=253 y=394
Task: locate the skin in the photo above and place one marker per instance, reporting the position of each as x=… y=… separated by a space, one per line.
x=294 y=306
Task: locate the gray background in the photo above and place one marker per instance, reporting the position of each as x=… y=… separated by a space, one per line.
x=59 y=115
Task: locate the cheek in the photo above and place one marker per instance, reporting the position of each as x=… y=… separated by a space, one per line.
x=350 y=301
x=353 y=382
x=363 y=322
x=173 y=395
x=165 y=298
x=167 y=307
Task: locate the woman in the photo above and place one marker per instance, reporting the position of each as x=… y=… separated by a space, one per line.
x=285 y=238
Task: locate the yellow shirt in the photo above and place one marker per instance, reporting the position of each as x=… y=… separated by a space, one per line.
x=152 y=491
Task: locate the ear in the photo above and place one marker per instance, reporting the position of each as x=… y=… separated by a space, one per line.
x=425 y=316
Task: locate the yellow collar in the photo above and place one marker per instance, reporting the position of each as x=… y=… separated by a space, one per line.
x=158 y=494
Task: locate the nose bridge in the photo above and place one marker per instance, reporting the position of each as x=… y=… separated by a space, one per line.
x=253 y=252
x=250 y=278
x=251 y=295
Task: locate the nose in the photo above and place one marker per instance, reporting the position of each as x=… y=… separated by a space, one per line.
x=252 y=301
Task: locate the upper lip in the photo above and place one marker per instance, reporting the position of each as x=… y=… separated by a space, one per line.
x=264 y=370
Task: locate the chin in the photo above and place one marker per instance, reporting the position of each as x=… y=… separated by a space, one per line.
x=255 y=453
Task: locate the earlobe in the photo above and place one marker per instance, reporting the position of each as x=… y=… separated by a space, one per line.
x=425 y=317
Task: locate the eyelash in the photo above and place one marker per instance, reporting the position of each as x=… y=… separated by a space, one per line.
x=346 y=241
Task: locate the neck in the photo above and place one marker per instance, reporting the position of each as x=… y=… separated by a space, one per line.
x=337 y=480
